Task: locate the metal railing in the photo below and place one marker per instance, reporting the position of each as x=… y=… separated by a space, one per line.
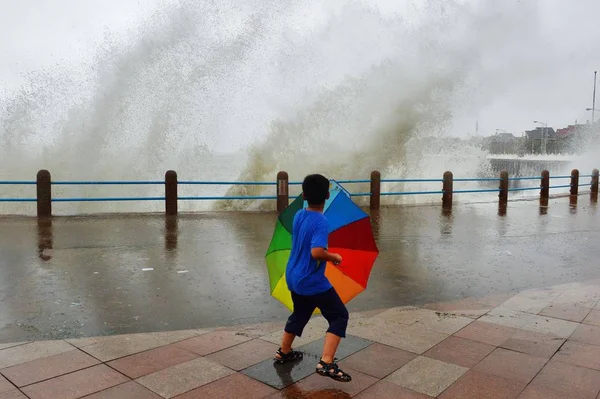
x=44 y=198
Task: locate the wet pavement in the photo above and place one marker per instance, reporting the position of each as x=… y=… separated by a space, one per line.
x=90 y=275
x=539 y=343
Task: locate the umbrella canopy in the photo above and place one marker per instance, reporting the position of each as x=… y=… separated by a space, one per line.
x=350 y=235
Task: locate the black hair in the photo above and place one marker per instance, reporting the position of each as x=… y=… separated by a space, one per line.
x=315 y=189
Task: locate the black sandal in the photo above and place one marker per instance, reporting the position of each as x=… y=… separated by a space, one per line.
x=332 y=370
x=288 y=357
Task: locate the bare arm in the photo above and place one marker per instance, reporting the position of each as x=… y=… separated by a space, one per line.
x=321 y=254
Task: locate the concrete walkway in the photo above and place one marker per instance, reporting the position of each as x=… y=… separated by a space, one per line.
x=542 y=343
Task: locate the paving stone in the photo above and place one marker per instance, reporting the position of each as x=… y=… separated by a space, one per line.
x=552 y=326
x=444 y=322
x=125 y=345
x=532 y=343
x=32 y=351
x=405 y=315
x=314 y=330
x=13 y=344
x=5 y=385
x=13 y=394
x=184 y=377
x=568 y=379
x=316 y=383
x=387 y=390
x=460 y=351
x=129 y=390
x=527 y=305
x=212 y=342
x=280 y=376
x=48 y=367
x=507 y=317
x=540 y=393
x=593 y=318
x=151 y=361
x=586 y=334
x=245 y=354
x=377 y=360
x=414 y=338
x=566 y=312
x=579 y=354
x=487 y=333
x=233 y=386
x=476 y=385
x=511 y=365
x=76 y=385
x=428 y=376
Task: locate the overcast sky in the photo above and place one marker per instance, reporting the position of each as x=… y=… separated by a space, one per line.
x=555 y=89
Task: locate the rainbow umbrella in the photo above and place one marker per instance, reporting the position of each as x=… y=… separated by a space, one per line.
x=350 y=235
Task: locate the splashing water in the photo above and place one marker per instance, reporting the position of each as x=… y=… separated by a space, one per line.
x=340 y=88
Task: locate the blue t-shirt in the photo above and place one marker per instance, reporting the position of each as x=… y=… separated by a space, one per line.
x=304 y=274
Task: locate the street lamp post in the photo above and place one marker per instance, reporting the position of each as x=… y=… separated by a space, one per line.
x=544 y=143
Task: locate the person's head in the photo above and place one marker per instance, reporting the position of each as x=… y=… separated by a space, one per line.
x=315 y=189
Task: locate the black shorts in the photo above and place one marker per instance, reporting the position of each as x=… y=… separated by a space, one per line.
x=331 y=306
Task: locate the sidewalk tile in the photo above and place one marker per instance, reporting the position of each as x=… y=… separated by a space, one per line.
x=404 y=315
x=151 y=361
x=487 y=333
x=282 y=375
x=245 y=354
x=387 y=390
x=32 y=351
x=566 y=312
x=315 y=383
x=233 y=386
x=14 y=394
x=184 y=377
x=415 y=338
x=377 y=360
x=212 y=342
x=476 y=385
x=77 y=384
x=532 y=343
x=507 y=317
x=541 y=393
x=5 y=385
x=527 y=305
x=460 y=351
x=13 y=344
x=444 y=322
x=125 y=345
x=579 y=354
x=586 y=334
x=48 y=367
x=428 y=376
x=552 y=326
x=568 y=379
x=511 y=365
x=593 y=318
x=129 y=390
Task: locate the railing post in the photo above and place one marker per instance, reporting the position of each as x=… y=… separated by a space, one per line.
x=283 y=196
x=375 y=201
x=503 y=194
x=594 y=188
x=447 y=188
x=171 y=192
x=44 y=193
x=545 y=188
x=575 y=182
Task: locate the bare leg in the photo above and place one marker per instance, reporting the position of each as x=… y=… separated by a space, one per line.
x=287 y=341
x=332 y=342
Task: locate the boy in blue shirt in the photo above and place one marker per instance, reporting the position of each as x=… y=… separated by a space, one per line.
x=305 y=277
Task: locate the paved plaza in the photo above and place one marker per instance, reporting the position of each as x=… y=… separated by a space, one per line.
x=539 y=343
